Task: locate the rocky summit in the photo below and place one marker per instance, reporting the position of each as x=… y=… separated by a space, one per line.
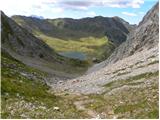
x=39 y=80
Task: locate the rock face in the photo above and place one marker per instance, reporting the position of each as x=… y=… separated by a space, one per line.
x=144 y=37
x=20 y=41
x=67 y=28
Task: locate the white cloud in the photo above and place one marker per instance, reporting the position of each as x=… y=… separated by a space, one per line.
x=129 y=14
x=136 y=3
x=82 y=8
x=28 y=7
x=86 y=4
x=91 y=13
x=57 y=10
x=123 y=3
x=46 y=7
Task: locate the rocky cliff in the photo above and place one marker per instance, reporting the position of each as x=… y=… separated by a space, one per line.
x=145 y=36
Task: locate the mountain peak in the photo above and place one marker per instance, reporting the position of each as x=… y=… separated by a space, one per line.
x=36 y=16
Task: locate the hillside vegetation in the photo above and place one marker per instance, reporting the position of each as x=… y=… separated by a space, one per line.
x=24 y=94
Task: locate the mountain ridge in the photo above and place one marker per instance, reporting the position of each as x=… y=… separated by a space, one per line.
x=96 y=37
x=82 y=26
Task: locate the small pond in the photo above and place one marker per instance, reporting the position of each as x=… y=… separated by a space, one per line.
x=74 y=54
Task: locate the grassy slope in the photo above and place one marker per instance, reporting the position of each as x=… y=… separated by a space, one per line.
x=24 y=95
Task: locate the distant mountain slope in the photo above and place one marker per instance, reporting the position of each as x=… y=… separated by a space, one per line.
x=96 y=37
x=144 y=37
x=24 y=46
x=126 y=24
x=67 y=28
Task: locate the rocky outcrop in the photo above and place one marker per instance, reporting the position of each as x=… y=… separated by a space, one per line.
x=20 y=41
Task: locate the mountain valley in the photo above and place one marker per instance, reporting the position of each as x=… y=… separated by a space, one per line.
x=101 y=67
x=91 y=36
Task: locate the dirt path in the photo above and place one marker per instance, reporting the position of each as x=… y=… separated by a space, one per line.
x=80 y=101
x=80 y=105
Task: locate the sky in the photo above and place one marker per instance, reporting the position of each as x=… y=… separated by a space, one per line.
x=130 y=10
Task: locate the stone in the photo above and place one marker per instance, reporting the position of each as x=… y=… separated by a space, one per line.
x=111 y=112
x=56 y=108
